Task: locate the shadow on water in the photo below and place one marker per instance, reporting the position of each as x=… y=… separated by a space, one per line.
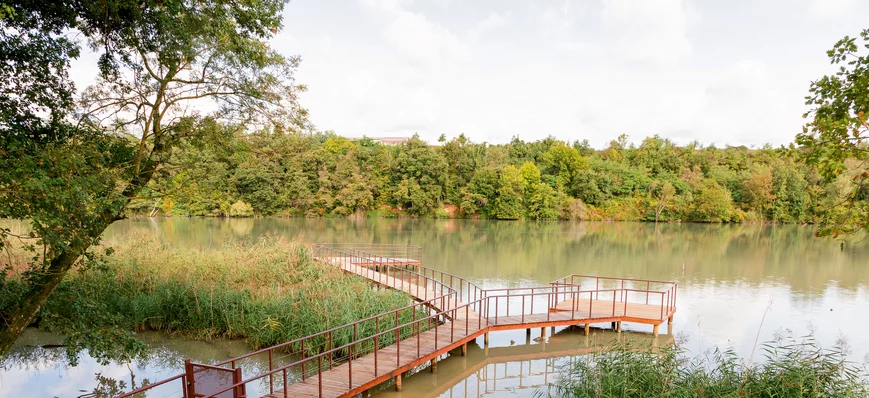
x=519 y=369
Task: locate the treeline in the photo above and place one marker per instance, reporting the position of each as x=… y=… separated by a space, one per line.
x=315 y=175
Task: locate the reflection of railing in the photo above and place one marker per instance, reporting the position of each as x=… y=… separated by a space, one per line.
x=448 y=306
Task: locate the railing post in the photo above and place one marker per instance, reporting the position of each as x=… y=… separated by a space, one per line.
x=303 y=360
x=573 y=305
x=418 y=332
x=648 y=287
x=453 y=326
x=467 y=321
x=376 y=341
x=320 y=376
x=436 y=331
x=549 y=313
x=397 y=341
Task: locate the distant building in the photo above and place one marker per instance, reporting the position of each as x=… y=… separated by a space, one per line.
x=391 y=141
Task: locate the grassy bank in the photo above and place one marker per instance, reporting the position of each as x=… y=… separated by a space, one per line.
x=266 y=292
x=788 y=369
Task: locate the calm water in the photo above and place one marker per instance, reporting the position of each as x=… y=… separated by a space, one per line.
x=736 y=284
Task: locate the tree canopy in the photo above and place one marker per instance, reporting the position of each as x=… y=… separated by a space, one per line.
x=835 y=137
x=170 y=73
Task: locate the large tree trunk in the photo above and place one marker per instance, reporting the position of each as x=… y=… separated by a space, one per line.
x=40 y=288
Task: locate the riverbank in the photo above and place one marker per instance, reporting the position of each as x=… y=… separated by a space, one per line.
x=237 y=290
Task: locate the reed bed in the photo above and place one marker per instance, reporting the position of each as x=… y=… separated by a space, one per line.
x=789 y=368
x=267 y=292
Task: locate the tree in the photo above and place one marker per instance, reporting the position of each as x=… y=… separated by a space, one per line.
x=712 y=204
x=664 y=198
x=511 y=192
x=564 y=163
x=758 y=191
x=162 y=63
x=837 y=133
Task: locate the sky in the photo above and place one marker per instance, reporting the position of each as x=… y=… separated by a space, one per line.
x=731 y=72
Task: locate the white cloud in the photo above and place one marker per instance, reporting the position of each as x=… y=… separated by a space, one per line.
x=648 y=30
x=492 y=22
x=832 y=8
x=425 y=42
x=572 y=69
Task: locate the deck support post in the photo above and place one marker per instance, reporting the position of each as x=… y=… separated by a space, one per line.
x=670 y=320
x=613 y=327
x=464 y=349
x=543 y=332
x=587 y=327
x=619 y=326
x=398 y=382
x=486 y=338
x=655 y=331
x=434 y=365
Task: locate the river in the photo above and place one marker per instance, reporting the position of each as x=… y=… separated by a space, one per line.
x=738 y=284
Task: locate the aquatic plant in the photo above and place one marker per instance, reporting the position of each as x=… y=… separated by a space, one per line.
x=267 y=292
x=789 y=368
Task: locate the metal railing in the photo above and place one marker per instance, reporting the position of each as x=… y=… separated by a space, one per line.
x=448 y=305
x=645 y=290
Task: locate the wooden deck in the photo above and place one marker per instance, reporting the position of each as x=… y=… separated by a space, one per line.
x=450 y=312
x=467 y=326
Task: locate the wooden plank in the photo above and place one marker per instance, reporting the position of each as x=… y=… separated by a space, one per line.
x=335 y=381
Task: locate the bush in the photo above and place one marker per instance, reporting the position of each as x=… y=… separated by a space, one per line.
x=790 y=369
x=240 y=209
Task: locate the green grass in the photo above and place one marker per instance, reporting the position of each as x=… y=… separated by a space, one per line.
x=789 y=369
x=267 y=293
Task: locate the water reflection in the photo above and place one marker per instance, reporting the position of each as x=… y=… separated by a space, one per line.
x=737 y=283
x=517 y=368
x=36 y=366
x=731 y=277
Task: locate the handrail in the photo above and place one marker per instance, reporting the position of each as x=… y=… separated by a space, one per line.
x=451 y=295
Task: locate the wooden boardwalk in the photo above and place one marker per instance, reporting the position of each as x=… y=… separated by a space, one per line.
x=467 y=326
x=450 y=312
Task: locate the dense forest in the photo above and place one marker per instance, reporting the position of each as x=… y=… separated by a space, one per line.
x=322 y=174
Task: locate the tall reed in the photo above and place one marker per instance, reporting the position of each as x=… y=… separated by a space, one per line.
x=791 y=368
x=267 y=292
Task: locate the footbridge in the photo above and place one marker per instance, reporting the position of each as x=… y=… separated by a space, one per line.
x=448 y=312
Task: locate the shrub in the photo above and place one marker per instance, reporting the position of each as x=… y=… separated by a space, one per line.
x=240 y=209
x=789 y=369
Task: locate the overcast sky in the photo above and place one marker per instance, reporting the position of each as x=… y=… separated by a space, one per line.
x=718 y=71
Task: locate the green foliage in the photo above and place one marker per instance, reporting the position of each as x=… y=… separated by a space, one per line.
x=509 y=204
x=240 y=209
x=563 y=162
x=72 y=178
x=789 y=369
x=237 y=290
x=324 y=175
x=712 y=204
x=835 y=138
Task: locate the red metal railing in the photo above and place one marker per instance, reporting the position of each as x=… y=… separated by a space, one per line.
x=446 y=301
x=645 y=289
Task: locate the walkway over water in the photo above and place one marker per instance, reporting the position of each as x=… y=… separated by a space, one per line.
x=450 y=312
